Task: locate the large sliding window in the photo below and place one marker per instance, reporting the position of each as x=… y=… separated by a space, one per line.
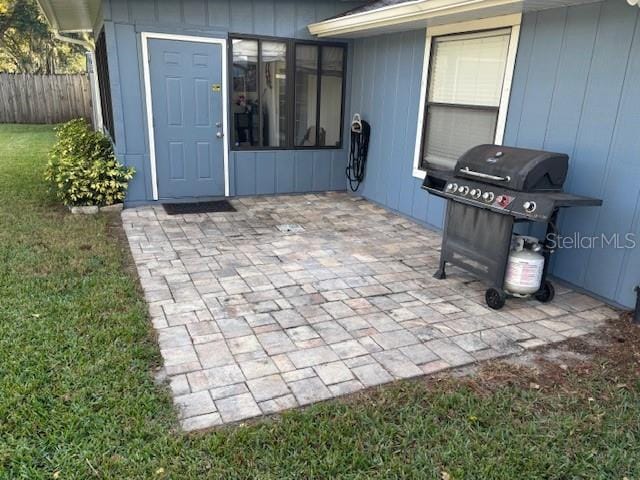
x=286 y=94
x=466 y=78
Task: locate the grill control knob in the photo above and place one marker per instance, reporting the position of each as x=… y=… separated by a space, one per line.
x=488 y=197
x=454 y=187
x=476 y=193
x=503 y=201
x=463 y=190
x=449 y=187
x=530 y=207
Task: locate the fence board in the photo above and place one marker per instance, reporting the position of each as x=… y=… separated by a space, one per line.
x=26 y=98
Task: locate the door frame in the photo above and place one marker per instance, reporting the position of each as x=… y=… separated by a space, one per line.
x=145 y=37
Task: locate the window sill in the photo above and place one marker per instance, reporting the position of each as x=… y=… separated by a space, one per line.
x=421 y=174
x=284 y=149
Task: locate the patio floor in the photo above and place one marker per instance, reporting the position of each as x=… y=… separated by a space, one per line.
x=252 y=319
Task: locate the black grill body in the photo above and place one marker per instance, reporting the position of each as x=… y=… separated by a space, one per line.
x=514 y=168
x=491 y=189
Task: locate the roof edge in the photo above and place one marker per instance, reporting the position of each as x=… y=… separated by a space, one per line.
x=407 y=12
x=49 y=14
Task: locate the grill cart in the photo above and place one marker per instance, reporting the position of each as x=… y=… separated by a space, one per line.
x=491 y=189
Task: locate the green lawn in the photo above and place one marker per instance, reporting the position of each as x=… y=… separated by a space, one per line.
x=78 y=400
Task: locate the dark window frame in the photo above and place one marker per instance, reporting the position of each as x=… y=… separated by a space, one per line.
x=290 y=90
x=422 y=166
x=104 y=84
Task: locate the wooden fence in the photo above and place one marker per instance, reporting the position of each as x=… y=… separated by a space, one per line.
x=26 y=98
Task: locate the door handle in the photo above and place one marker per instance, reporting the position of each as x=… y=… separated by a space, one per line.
x=219 y=124
x=219 y=134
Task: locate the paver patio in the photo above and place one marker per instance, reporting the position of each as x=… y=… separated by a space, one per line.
x=253 y=319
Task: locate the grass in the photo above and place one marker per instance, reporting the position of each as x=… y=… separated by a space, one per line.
x=77 y=397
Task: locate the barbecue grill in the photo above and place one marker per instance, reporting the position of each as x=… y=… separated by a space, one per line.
x=491 y=189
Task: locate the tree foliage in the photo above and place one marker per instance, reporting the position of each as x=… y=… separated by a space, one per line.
x=27 y=44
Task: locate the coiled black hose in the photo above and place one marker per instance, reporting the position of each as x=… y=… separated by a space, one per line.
x=358 y=155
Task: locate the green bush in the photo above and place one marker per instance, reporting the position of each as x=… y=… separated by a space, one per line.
x=83 y=169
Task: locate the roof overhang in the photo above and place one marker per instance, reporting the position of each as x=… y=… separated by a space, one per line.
x=423 y=13
x=71 y=16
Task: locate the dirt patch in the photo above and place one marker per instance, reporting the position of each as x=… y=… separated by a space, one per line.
x=612 y=353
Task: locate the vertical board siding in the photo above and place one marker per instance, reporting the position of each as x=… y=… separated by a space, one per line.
x=287 y=18
x=385 y=91
x=131 y=95
x=597 y=124
x=545 y=55
x=219 y=14
x=250 y=172
x=244 y=166
x=303 y=172
x=285 y=12
x=622 y=163
x=576 y=89
x=587 y=106
x=285 y=172
x=265 y=173
x=170 y=14
x=195 y=13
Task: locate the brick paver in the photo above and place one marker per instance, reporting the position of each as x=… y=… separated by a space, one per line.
x=253 y=320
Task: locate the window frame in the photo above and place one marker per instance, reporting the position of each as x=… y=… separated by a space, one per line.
x=291 y=44
x=511 y=22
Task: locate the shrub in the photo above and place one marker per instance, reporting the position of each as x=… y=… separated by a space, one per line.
x=83 y=169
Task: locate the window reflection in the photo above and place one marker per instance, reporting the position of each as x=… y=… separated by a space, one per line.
x=306 y=96
x=245 y=102
x=273 y=75
x=331 y=95
x=286 y=94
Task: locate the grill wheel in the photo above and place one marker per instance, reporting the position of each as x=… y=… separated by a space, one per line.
x=495 y=298
x=546 y=292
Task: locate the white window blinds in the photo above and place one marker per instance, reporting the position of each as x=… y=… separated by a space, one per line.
x=469 y=69
x=465 y=86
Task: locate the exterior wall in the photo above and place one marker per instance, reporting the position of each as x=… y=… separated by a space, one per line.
x=387 y=73
x=576 y=89
x=250 y=172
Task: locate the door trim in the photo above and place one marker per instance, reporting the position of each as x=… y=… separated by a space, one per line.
x=145 y=37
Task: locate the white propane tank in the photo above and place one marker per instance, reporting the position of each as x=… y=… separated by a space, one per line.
x=524 y=267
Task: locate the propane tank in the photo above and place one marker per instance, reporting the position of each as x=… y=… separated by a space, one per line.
x=524 y=267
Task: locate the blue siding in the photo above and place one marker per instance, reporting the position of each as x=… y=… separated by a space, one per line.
x=387 y=72
x=250 y=173
x=588 y=107
x=576 y=89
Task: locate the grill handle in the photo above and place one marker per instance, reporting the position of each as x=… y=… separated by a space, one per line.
x=485 y=175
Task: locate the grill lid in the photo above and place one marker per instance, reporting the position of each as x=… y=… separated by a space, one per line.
x=514 y=168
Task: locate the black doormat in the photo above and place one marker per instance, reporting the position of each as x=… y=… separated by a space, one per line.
x=200 y=207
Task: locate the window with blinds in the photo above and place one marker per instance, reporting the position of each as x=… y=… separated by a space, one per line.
x=463 y=98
